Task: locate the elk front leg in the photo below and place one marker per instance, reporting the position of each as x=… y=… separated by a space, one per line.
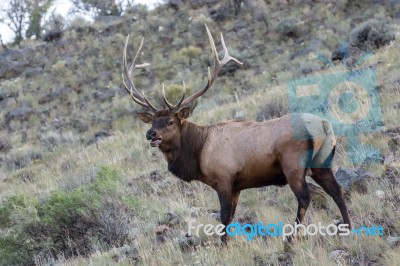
x=228 y=201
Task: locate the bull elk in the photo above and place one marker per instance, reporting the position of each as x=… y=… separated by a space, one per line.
x=237 y=155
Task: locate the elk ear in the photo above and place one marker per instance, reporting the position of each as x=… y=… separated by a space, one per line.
x=146 y=117
x=184 y=112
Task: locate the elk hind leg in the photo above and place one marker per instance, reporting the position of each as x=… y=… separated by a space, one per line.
x=298 y=184
x=326 y=179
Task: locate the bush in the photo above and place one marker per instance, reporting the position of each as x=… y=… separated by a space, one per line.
x=272 y=109
x=191 y=52
x=174 y=92
x=5 y=143
x=19 y=159
x=289 y=27
x=68 y=223
x=53 y=27
x=373 y=34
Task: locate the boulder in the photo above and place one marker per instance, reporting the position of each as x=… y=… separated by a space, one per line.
x=124 y=253
x=19 y=113
x=353 y=180
x=188 y=242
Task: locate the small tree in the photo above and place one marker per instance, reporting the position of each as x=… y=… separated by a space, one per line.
x=98 y=8
x=16 y=16
x=24 y=17
x=36 y=8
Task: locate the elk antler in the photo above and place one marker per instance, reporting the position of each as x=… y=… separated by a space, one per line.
x=170 y=105
x=218 y=64
x=139 y=99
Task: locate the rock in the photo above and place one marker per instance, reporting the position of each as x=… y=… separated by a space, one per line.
x=55 y=93
x=162 y=229
x=102 y=134
x=285 y=259
x=379 y=194
x=248 y=217
x=346 y=54
x=194 y=212
x=393 y=241
x=78 y=125
x=340 y=255
x=199 y=3
x=104 y=95
x=188 y=242
x=97 y=136
x=19 y=113
x=5 y=144
x=239 y=115
x=353 y=180
x=394 y=142
x=155 y=175
x=33 y=71
x=259 y=261
x=170 y=219
x=215 y=214
x=14 y=61
x=391 y=132
x=6 y=95
x=126 y=252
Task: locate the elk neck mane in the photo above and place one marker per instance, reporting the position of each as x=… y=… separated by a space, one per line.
x=184 y=160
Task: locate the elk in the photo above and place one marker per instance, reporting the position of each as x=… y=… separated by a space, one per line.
x=237 y=155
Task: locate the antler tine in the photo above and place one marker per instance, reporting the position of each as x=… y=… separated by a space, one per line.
x=132 y=95
x=218 y=64
x=227 y=57
x=148 y=103
x=170 y=105
x=139 y=99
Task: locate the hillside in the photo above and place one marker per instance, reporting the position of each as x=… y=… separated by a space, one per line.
x=79 y=183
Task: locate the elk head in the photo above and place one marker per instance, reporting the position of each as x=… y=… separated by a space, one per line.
x=167 y=123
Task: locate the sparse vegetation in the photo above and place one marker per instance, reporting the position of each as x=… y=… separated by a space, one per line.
x=67 y=202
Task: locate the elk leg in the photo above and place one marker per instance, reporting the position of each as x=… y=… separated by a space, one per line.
x=302 y=193
x=228 y=205
x=326 y=179
x=235 y=199
x=298 y=184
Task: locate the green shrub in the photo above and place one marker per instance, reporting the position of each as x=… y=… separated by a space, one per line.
x=14 y=251
x=68 y=222
x=373 y=33
x=191 y=52
x=12 y=206
x=174 y=92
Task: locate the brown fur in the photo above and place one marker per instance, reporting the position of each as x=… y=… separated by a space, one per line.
x=233 y=156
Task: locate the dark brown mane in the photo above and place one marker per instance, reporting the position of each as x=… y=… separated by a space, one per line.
x=184 y=162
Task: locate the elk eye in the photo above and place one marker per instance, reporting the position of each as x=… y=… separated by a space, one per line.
x=170 y=123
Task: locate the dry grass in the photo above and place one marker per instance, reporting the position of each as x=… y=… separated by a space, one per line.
x=69 y=164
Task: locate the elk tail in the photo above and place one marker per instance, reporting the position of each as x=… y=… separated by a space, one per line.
x=324 y=157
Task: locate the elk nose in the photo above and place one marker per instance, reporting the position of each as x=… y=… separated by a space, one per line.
x=150 y=135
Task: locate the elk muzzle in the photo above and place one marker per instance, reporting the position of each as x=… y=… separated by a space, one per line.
x=151 y=135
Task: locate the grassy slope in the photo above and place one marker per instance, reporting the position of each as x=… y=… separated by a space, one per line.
x=80 y=63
